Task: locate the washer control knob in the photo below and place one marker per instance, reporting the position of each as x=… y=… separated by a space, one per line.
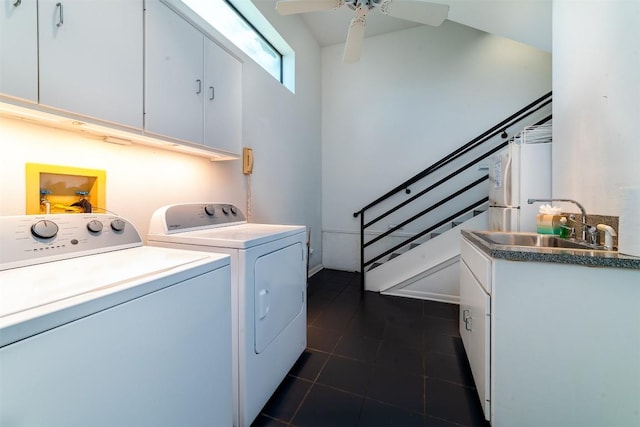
x=210 y=210
x=44 y=229
x=225 y=210
x=233 y=210
x=117 y=225
x=94 y=226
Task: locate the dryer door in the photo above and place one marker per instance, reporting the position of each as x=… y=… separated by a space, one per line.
x=280 y=285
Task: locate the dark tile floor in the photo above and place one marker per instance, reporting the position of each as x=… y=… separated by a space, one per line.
x=374 y=360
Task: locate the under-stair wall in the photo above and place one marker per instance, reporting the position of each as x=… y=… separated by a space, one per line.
x=429 y=270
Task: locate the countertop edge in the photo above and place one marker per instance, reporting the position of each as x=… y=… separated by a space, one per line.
x=561 y=256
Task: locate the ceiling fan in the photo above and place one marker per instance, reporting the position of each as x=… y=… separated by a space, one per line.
x=411 y=10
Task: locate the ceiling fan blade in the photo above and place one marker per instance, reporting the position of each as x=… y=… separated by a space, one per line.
x=416 y=10
x=354 y=40
x=292 y=7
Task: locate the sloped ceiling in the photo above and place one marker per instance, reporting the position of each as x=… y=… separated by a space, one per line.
x=525 y=21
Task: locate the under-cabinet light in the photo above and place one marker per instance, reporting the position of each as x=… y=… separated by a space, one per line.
x=116 y=140
x=28 y=114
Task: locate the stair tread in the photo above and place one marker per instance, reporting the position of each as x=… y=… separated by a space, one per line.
x=414 y=244
x=374 y=265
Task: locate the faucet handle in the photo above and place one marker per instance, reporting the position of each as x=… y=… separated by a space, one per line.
x=609 y=233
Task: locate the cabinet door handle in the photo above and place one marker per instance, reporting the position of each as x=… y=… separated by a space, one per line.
x=467 y=324
x=198 y=86
x=212 y=93
x=60 y=15
x=466 y=318
x=17 y=3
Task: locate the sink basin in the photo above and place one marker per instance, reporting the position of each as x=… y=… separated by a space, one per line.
x=530 y=240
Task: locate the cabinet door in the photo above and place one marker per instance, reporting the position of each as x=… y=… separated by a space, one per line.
x=174 y=85
x=19 y=49
x=91 y=58
x=223 y=101
x=475 y=331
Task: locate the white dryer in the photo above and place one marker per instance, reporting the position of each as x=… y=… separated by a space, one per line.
x=98 y=330
x=269 y=284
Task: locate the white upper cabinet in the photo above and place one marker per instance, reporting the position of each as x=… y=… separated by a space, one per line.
x=91 y=58
x=223 y=102
x=19 y=49
x=174 y=84
x=193 y=88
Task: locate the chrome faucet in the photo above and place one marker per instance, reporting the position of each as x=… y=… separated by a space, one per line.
x=585 y=226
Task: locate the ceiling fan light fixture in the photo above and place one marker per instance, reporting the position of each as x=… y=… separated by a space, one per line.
x=420 y=11
x=293 y=7
x=353 y=46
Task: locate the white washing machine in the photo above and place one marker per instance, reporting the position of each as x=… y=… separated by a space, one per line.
x=98 y=330
x=269 y=291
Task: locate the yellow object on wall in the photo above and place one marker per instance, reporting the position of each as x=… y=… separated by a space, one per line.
x=61 y=185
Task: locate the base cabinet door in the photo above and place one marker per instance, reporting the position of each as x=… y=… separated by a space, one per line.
x=475 y=330
x=19 y=49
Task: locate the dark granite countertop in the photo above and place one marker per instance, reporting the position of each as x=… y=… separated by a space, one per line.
x=589 y=258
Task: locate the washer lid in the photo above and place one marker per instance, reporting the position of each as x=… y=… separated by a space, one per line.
x=43 y=288
x=240 y=236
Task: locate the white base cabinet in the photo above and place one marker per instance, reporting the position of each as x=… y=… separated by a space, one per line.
x=475 y=330
x=564 y=344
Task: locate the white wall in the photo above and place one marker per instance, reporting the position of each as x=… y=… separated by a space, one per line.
x=414 y=96
x=139 y=179
x=284 y=131
x=526 y=21
x=596 y=93
x=282 y=128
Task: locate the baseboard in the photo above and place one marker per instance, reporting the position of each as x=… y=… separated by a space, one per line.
x=314 y=270
x=451 y=299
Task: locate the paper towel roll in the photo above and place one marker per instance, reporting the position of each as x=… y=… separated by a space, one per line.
x=629 y=226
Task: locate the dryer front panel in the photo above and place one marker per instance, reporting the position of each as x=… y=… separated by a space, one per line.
x=279 y=292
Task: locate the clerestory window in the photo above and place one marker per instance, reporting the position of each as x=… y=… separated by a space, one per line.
x=226 y=18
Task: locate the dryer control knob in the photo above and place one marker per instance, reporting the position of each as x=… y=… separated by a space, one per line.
x=210 y=210
x=233 y=210
x=44 y=229
x=117 y=225
x=94 y=226
x=225 y=210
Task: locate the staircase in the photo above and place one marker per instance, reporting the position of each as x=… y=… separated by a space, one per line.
x=419 y=253
x=427 y=269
